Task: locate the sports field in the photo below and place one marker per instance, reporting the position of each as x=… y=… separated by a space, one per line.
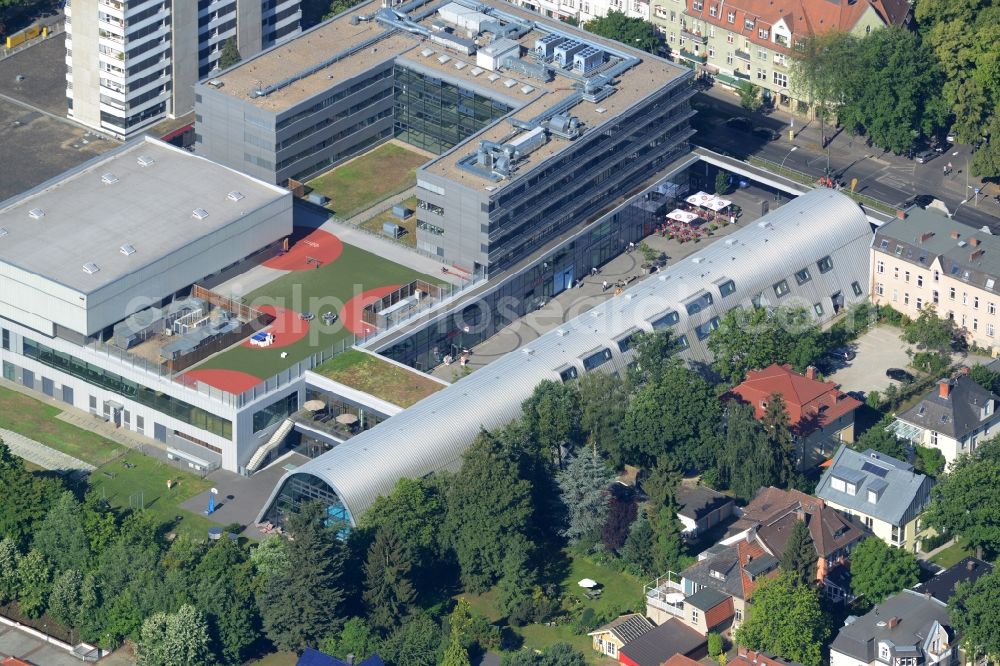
x=340 y=278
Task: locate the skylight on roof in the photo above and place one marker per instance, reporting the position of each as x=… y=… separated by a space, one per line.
x=443 y=59
x=460 y=65
x=527 y=90
x=109 y=179
x=235 y=195
x=427 y=53
x=127 y=249
x=509 y=83
x=36 y=213
x=199 y=213
x=90 y=268
x=3 y=232
x=145 y=161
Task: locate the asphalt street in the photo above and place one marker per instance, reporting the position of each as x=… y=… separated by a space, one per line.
x=883 y=176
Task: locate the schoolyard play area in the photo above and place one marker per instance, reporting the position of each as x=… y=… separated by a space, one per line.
x=317 y=305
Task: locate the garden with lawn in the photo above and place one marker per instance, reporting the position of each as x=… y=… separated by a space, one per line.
x=380 y=378
x=362 y=182
x=342 y=286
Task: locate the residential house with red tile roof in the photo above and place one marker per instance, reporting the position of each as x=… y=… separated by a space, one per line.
x=754 y=41
x=820 y=415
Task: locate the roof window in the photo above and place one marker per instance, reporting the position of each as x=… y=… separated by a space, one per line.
x=127 y=249
x=109 y=179
x=235 y=195
x=3 y=232
x=145 y=161
x=36 y=213
x=90 y=268
x=199 y=213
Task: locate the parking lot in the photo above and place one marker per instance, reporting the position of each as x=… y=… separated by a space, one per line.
x=877 y=350
x=34 y=145
x=14 y=643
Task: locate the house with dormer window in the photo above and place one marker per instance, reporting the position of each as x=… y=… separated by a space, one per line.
x=884 y=493
x=953 y=419
x=908 y=629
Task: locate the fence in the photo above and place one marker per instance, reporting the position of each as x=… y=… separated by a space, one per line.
x=378 y=314
x=238 y=308
x=806 y=179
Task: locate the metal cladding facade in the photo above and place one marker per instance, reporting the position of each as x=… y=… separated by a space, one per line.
x=821 y=226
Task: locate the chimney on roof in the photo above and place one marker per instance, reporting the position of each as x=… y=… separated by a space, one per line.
x=955 y=235
x=925 y=236
x=970 y=565
x=975 y=256
x=944 y=388
x=742 y=651
x=811 y=372
x=974 y=242
x=749 y=558
x=964 y=370
x=893 y=622
x=800 y=513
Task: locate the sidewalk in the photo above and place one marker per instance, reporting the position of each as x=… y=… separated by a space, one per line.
x=44 y=456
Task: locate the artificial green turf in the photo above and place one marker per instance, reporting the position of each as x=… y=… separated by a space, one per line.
x=320 y=290
x=144 y=487
x=37 y=420
x=360 y=183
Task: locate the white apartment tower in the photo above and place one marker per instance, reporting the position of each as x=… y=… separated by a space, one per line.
x=131 y=63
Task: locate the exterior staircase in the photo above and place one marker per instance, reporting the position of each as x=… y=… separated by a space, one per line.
x=276 y=439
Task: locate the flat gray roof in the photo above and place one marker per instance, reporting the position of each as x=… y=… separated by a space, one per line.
x=120 y=216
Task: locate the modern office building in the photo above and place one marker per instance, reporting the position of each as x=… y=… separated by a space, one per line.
x=928 y=260
x=821 y=236
x=754 y=41
x=131 y=63
x=538 y=126
x=96 y=268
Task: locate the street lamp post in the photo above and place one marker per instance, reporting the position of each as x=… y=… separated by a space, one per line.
x=790 y=151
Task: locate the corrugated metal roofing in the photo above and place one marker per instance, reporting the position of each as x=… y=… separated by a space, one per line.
x=433 y=434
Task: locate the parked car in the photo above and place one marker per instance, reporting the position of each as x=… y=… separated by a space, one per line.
x=766 y=133
x=925 y=156
x=740 y=123
x=857 y=395
x=842 y=354
x=922 y=200
x=899 y=375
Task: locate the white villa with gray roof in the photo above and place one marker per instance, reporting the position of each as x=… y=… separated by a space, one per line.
x=883 y=492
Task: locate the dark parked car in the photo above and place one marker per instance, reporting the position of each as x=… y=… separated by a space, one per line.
x=766 y=133
x=925 y=156
x=740 y=123
x=857 y=395
x=899 y=375
x=922 y=200
x=842 y=354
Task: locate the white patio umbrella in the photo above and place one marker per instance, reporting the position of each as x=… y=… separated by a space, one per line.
x=588 y=583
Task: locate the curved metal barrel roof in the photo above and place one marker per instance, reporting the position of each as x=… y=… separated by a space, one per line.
x=433 y=434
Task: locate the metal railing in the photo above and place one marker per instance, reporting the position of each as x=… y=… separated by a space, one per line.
x=657 y=591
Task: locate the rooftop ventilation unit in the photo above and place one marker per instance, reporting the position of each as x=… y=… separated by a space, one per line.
x=235 y=195
x=765 y=225
x=493 y=78
x=109 y=179
x=565 y=51
x=127 y=249
x=533 y=70
x=3 y=232
x=216 y=83
x=527 y=351
x=527 y=90
x=697 y=260
x=145 y=161
x=90 y=268
x=443 y=59
x=564 y=125
x=199 y=213
x=562 y=332
x=545 y=46
x=509 y=83
x=460 y=65
x=427 y=53
x=587 y=60
x=731 y=241
x=36 y=213
x=476 y=71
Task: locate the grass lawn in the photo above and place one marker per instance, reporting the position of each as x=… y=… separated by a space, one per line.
x=953 y=554
x=37 y=420
x=379 y=378
x=277 y=659
x=325 y=289
x=620 y=591
x=374 y=225
x=366 y=180
x=148 y=476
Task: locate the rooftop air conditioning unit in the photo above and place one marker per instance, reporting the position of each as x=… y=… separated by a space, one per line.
x=109 y=179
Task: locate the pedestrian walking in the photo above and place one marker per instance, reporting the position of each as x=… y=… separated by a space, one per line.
x=593 y=271
x=604 y=287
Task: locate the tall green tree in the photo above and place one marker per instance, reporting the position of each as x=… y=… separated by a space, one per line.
x=270 y=556
x=177 y=639
x=456 y=654
x=747 y=460
x=389 y=594
x=799 y=559
x=639 y=545
x=878 y=438
x=473 y=630
x=753 y=339
x=603 y=398
x=779 y=435
x=634 y=32
x=414 y=510
x=552 y=417
x=416 y=643
x=356 y=638
x=655 y=354
x=230 y=54
x=786 y=620
x=964 y=502
x=661 y=486
x=975 y=614
x=64 y=600
x=34 y=583
x=490 y=506
x=25 y=498
x=301 y=605
x=820 y=73
x=983 y=376
x=750 y=100
x=61 y=537
x=9 y=582
x=224 y=592
x=879 y=570
x=963 y=34
x=677 y=415
x=930 y=330
x=583 y=487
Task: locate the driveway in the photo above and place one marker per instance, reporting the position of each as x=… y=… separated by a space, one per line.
x=14 y=643
x=877 y=350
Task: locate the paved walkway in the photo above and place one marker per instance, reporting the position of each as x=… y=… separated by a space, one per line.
x=42 y=455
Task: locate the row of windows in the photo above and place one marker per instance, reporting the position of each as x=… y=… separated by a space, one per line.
x=341 y=115
x=277 y=411
x=334 y=98
x=159 y=401
x=326 y=143
x=952 y=293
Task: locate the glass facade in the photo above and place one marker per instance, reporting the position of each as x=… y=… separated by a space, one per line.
x=157 y=400
x=277 y=411
x=302 y=488
x=435 y=115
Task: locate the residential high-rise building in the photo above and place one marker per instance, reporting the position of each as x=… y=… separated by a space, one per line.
x=130 y=63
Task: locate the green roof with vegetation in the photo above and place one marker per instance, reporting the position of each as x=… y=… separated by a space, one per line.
x=375 y=376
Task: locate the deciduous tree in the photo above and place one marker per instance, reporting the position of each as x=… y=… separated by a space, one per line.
x=786 y=620
x=878 y=438
x=230 y=54
x=61 y=537
x=178 y=639
x=64 y=600
x=34 y=583
x=879 y=571
x=552 y=417
x=634 y=32
x=9 y=555
x=964 y=502
x=416 y=643
x=747 y=461
x=975 y=613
